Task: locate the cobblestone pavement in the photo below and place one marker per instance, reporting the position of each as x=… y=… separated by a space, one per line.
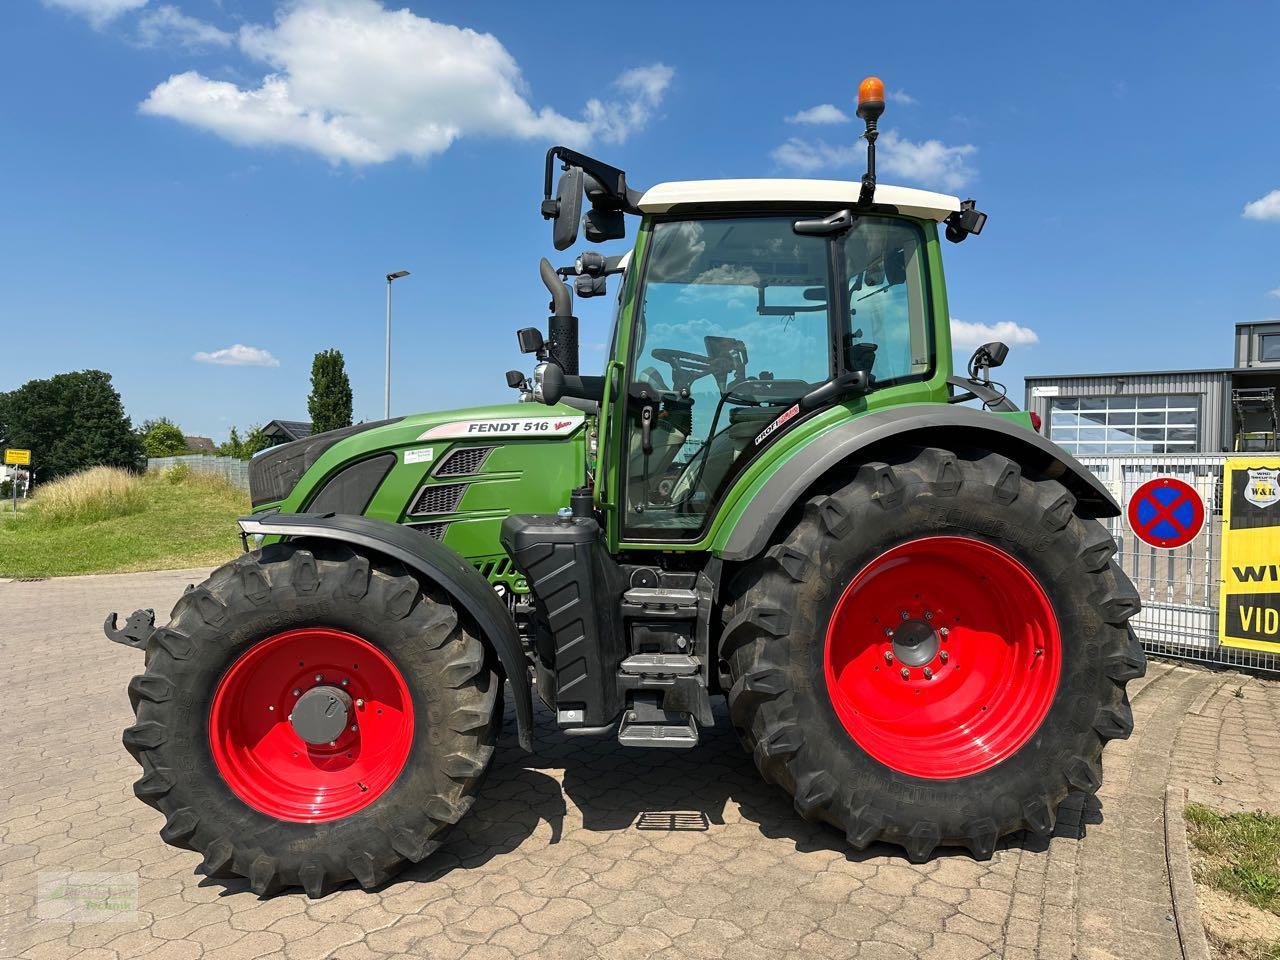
x=550 y=862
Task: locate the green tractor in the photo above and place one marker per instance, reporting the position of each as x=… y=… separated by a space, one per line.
x=773 y=491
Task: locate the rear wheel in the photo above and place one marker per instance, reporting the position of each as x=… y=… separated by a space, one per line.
x=309 y=716
x=935 y=654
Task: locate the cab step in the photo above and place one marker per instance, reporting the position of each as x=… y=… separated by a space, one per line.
x=680 y=735
x=645 y=724
x=660 y=665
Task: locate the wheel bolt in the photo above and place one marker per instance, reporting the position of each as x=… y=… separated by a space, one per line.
x=905 y=615
x=353 y=728
x=928 y=615
x=297 y=693
x=359 y=703
x=944 y=632
x=944 y=656
x=888 y=656
x=319 y=677
x=888 y=631
x=333 y=743
x=906 y=674
x=928 y=674
x=270 y=707
x=345 y=681
x=1039 y=652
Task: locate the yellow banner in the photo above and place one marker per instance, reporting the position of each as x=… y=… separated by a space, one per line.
x=1249 y=607
x=17 y=457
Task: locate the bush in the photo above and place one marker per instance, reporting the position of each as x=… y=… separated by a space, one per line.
x=179 y=473
x=99 y=493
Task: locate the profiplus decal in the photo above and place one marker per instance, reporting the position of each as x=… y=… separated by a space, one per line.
x=505 y=426
x=783 y=419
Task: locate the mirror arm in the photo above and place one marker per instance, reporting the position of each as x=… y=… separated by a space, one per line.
x=612 y=180
x=856 y=382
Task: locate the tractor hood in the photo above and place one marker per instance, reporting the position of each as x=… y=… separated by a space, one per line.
x=274 y=473
x=453 y=476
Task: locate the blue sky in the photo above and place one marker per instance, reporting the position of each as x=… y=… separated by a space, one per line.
x=183 y=177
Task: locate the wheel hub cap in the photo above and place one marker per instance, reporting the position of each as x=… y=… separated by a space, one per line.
x=942 y=657
x=320 y=715
x=915 y=643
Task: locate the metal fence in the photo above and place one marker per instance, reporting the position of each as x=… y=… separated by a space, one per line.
x=1179 y=587
x=235 y=472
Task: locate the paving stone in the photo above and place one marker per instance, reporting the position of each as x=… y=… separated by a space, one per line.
x=550 y=864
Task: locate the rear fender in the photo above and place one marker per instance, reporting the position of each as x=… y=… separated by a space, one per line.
x=941 y=425
x=433 y=562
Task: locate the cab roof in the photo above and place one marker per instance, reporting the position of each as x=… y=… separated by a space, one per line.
x=923 y=204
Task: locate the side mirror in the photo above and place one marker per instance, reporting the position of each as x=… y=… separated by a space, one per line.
x=987 y=357
x=515 y=379
x=529 y=339
x=568 y=209
x=601 y=225
x=587 y=287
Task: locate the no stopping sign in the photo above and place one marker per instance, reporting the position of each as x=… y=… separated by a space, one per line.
x=1166 y=512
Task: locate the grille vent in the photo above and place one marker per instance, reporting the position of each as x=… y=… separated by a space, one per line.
x=438 y=498
x=463 y=461
x=494 y=568
x=433 y=530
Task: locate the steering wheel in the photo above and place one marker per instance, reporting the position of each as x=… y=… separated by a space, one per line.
x=686 y=367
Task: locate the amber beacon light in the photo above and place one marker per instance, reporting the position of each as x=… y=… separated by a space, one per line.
x=870 y=107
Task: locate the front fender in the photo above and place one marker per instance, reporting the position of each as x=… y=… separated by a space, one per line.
x=930 y=424
x=434 y=562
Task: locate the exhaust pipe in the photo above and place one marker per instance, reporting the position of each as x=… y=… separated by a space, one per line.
x=562 y=325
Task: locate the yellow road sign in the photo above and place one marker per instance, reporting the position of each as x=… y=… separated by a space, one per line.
x=20 y=458
x=1249 y=611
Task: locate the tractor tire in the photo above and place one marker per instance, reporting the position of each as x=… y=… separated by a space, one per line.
x=933 y=654
x=241 y=695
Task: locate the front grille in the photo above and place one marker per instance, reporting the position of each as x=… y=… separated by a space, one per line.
x=433 y=530
x=463 y=461
x=438 y=498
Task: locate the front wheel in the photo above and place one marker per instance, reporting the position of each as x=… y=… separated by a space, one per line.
x=935 y=654
x=310 y=716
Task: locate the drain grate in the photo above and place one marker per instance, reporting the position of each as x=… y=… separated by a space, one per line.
x=672 y=820
x=30 y=579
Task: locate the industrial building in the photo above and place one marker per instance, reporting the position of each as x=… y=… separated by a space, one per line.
x=1169 y=411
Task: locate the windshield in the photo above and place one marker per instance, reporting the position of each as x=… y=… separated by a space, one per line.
x=734 y=326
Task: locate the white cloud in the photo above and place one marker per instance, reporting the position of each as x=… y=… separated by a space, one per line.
x=970 y=335
x=822 y=113
x=902 y=97
x=238 y=355
x=641 y=90
x=168 y=26
x=359 y=83
x=1275 y=292
x=930 y=163
x=1264 y=208
x=97 y=12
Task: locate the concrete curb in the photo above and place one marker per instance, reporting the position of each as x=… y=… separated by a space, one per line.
x=1182 y=888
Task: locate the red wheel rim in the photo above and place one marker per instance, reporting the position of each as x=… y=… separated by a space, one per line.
x=942 y=657
x=264 y=759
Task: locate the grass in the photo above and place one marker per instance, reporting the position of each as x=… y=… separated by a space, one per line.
x=1238 y=855
x=109 y=521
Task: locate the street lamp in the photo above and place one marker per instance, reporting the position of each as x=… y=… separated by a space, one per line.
x=386 y=406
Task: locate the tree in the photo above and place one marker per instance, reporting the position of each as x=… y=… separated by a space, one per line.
x=70 y=422
x=162 y=438
x=330 y=402
x=244 y=449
